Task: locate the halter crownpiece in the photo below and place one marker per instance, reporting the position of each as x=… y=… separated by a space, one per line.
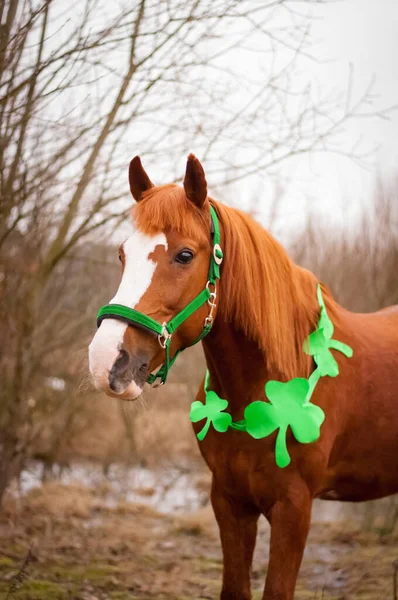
x=164 y=331
x=289 y=403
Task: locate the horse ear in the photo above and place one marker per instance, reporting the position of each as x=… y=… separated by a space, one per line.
x=195 y=185
x=138 y=179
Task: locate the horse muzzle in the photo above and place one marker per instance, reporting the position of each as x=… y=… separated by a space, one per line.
x=126 y=370
x=115 y=370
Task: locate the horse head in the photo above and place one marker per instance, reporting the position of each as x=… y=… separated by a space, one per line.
x=165 y=266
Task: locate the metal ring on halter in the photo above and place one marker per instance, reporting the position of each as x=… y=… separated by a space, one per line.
x=213 y=295
x=164 y=337
x=156 y=385
x=208 y=320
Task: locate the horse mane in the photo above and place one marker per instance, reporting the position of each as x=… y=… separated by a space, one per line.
x=266 y=294
x=262 y=291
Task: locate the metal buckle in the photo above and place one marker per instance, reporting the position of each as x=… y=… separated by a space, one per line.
x=164 y=337
x=213 y=294
x=212 y=303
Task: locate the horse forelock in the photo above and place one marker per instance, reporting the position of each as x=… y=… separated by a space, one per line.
x=165 y=208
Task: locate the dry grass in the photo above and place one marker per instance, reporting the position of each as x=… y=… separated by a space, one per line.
x=165 y=437
x=200 y=522
x=57 y=500
x=131 y=551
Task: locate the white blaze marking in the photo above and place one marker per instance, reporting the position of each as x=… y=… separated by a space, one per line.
x=137 y=276
x=138 y=268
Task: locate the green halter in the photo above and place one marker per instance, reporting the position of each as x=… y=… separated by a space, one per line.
x=165 y=331
x=289 y=403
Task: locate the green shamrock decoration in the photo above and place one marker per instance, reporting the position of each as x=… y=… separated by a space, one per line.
x=288 y=406
x=212 y=411
x=319 y=343
x=289 y=403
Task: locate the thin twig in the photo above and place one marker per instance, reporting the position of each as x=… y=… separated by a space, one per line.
x=18 y=579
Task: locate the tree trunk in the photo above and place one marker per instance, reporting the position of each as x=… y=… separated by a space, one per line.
x=10 y=462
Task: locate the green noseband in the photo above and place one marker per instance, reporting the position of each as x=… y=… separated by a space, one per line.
x=164 y=331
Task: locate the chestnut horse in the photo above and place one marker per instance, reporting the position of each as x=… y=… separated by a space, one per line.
x=262 y=308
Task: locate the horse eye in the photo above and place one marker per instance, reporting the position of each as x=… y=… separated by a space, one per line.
x=184 y=257
x=120 y=257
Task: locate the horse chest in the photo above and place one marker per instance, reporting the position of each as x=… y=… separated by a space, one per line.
x=243 y=467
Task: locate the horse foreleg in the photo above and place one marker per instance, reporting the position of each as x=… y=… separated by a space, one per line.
x=290 y=522
x=238 y=530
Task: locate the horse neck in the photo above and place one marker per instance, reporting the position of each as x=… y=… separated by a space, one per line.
x=238 y=366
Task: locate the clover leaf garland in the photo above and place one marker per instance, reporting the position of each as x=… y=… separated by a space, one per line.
x=289 y=403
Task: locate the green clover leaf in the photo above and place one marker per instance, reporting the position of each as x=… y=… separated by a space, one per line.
x=287 y=406
x=319 y=343
x=212 y=411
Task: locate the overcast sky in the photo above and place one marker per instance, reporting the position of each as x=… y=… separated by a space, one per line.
x=349 y=36
x=363 y=33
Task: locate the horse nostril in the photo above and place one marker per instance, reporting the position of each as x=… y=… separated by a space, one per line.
x=122 y=362
x=119 y=369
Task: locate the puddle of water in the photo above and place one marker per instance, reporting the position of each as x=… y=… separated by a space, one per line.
x=168 y=490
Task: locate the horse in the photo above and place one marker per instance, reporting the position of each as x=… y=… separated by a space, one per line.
x=253 y=309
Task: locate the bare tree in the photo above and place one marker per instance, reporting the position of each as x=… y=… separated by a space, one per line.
x=359 y=263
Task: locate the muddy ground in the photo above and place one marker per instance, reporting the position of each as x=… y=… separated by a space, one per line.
x=75 y=546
